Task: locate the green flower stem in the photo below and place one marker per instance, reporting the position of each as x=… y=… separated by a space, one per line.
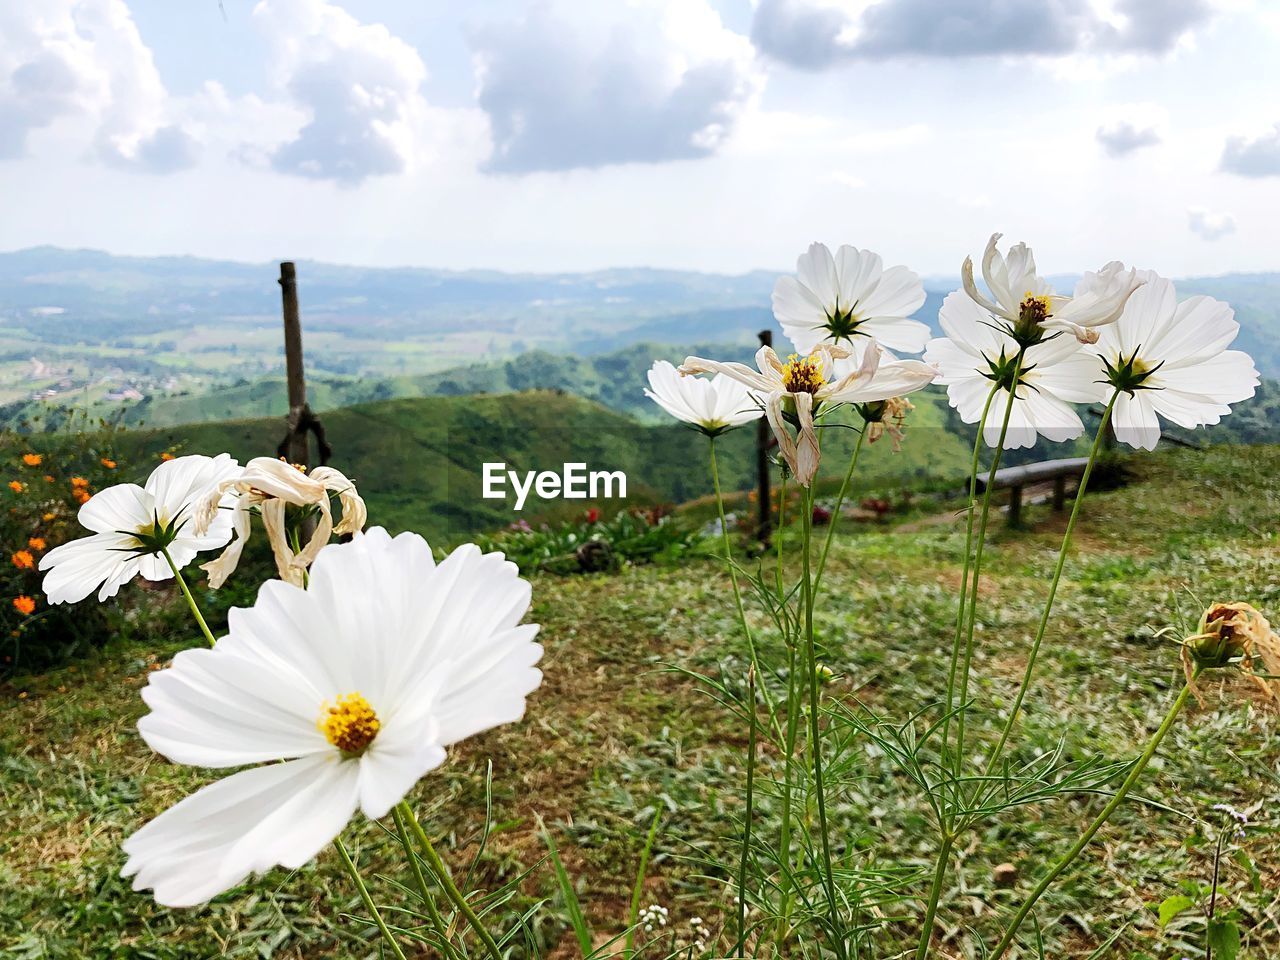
x=733 y=575
x=935 y=894
x=1098 y=822
x=835 y=514
x=428 y=898
x=788 y=791
x=1053 y=584
x=754 y=670
x=368 y=900
x=968 y=557
x=815 y=730
x=450 y=888
x=746 y=829
x=967 y=661
x=964 y=614
x=191 y=601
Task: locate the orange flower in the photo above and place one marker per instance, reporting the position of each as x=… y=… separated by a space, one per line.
x=79 y=482
x=23 y=560
x=50 y=516
x=48 y=478
x=108 y=463
x=166 y=456
x=24 y=605
x=36 y=543
x=81 y=495
x=17 y=486
x=32 y=459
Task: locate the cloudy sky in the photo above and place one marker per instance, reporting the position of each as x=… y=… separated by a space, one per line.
x=710 y=134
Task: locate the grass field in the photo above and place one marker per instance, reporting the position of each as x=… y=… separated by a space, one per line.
x=614 y=735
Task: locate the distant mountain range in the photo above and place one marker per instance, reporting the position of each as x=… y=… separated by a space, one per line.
x=60 y=298
x=180 y=339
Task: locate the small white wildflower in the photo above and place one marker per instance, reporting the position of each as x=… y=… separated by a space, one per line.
x=654 y=916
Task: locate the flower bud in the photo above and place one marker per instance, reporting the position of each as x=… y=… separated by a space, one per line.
x=1228 y=633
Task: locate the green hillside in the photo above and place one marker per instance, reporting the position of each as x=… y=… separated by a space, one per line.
x=419 y=461
x=613 y=379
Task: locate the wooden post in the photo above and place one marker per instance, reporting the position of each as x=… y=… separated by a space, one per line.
x=1015 y=506
x=764 y=526
x=1060 y=492
x=295 y=377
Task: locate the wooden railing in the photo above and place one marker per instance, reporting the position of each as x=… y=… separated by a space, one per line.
x=1014 y=479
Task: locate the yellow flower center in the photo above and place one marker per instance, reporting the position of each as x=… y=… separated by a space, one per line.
x=350 y=725
x=1033 y=309
x=803 y=374
x=1140 y=367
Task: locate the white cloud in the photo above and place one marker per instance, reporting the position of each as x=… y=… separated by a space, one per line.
x=1253 y=156
x=85 y=60
x=1131 y=127
x=1208 y=225
x=1124 y=136
x=358 y=84
x=590 y=85
x=815 y=34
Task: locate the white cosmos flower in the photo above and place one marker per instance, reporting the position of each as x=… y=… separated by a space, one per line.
x=131 y=524
x=713 y=406
x=1170 y=360
x=797 y=388
x=272 y=486
x=849 y=295
x=346 y=692
x=1030 y=307
x=974 y=355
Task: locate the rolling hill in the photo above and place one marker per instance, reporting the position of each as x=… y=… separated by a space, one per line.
x=419 y=461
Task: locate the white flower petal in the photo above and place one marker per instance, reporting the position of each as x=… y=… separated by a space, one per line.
x=1135 y=420
x=235 y=705
x=1077 y=378
x=1229 y=377
x=246 y=823
x=797 y=309
x=907 y=336
x=77 y=568
x=1198 y=328
x=177 y=486
x=125 y=506
x=898 y=294
x=713 y=404
x=858 y=272
x=816 y=269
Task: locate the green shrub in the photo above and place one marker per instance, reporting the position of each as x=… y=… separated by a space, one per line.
x=46 y=478
x=591 y=544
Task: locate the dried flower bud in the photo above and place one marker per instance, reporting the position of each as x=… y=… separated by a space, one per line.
x=1236 y=633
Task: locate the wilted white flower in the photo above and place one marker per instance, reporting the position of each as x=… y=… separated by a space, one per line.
x=1054 y=373
x=272 y=486
x=850 y=295
x=1031 y=310
x=346 y=692
x=132 y=525
x=713 y=406
x=796 y=389
x=1170 y=360
x=891 y=378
